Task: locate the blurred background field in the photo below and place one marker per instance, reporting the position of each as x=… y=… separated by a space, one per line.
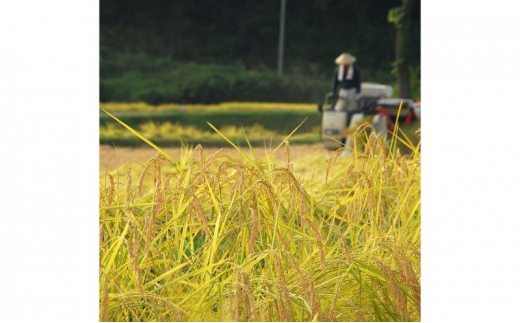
x=167 y=134
x=176 y=124
x=224 y=106
x=171 y=124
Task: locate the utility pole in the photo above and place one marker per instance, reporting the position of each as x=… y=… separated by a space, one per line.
x=282 y=36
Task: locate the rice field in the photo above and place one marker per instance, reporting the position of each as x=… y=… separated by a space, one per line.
x=225 y=106
x=176 y=132
x=258 y=234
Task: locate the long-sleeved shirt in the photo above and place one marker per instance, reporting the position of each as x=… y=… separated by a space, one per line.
x=355 y=82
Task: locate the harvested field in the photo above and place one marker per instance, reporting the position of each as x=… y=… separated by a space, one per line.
x=111 y=157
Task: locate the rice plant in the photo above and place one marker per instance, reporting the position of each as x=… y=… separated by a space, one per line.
x=249 y=237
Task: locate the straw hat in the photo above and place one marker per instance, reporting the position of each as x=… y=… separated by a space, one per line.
x=345 y=58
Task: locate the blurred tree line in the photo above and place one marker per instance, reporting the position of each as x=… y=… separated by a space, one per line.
x=207 y=51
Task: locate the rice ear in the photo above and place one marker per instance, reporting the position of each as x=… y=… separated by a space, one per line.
x=331 y=162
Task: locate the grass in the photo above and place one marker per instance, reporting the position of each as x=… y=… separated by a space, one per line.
x=252 y=238
x=225 y=106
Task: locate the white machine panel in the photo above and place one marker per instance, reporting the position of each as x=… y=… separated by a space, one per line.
x=333 y=126
x=375 y=90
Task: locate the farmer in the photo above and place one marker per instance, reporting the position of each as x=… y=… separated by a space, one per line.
x=348 y=77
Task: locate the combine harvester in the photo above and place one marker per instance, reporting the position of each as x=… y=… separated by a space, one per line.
x=375 y=101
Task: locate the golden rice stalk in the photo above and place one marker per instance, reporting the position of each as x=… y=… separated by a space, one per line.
x=303 y=281
x=110 y=190
x=275 y=303
x=220 y=152
x=348 y=174
x=239 y=298
x=133 y=249
x=333 y=157
x=197 y=207
x=148 y=229
x=104 y=300
x=255 y=228
x=333 y=316
x=313 y=297
x=295 y=189
x=115 y=280
x=158 y=201
x=177 y=315
x=360 y=317
x=243 y=297
x=370 y=145
x=128 y=195
x=101 y=235
x=344 y=246
x=380 y=149
x=397 y=295
x=263 y=314
x=269 y=190
x=135 y=259
x=379 y=289
x=308 y=288
x=351 y=212
x=147 y=167
x=201 y=157
x=286 y=177
x=270 y=312
x=319 y=241
x=158 y=191
x=363 y=126
x=407 y=274
x=250 y=306
x=288 y=165
x=224 y=166
x=233 y=305
x=286 y=306
x=304 y=208
x=166 y=181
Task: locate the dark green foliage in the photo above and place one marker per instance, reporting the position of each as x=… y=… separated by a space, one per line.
x=210 y=51
x=140 y=77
